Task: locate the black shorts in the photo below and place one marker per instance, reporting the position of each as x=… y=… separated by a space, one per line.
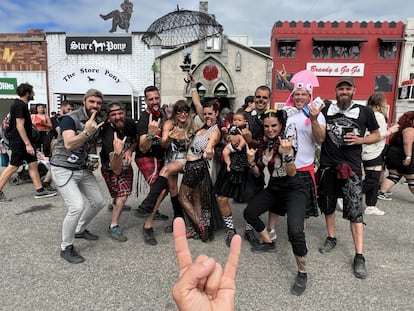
x=18 y=156
x=330 y=188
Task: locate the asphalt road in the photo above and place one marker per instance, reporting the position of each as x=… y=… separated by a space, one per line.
x=134 y=276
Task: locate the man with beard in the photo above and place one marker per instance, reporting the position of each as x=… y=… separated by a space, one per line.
x=72 y=170
x=149 y=157
x=118 y=143
x=340 y=166
x=21 y=143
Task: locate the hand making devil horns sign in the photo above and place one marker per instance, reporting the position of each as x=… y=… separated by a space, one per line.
x=203 y=285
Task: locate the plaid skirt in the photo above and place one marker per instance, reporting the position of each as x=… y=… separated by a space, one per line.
x=150 y=167
x=312 y=209
x=121 y=185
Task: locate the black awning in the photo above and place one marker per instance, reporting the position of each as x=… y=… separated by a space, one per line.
x=391 y=39
x=287 y=39
x=339 y=39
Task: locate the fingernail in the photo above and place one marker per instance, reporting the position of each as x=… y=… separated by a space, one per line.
x=208 y=261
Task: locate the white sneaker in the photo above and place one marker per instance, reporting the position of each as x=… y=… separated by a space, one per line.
x=374 y=211
x=272 y=234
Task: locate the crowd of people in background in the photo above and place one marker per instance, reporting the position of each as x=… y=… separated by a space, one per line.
x=293 y=161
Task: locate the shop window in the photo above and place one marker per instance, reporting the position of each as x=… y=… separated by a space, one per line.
x=387 y=50
x=286 y=49
x=329 y=50
x=384 y=83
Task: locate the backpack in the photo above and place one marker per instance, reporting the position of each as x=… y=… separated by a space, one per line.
x=4 y=135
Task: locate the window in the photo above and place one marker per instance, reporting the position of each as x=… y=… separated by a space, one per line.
x=280 y=85
x=383 y=83
x=337 y=50
x=286 y=49
x=387 y=50
x=213 y=44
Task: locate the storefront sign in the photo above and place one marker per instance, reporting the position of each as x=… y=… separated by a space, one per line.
x=336 y=69
x=407 y=82
x=79 y=80
x=8 y=85
x=98 y=45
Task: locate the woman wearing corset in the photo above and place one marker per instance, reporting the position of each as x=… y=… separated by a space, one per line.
x=195 y=193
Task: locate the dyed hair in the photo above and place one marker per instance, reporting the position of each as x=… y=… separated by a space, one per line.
x=405 y=121
x=188 y=126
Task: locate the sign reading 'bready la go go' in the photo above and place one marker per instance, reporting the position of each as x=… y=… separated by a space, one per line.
x=98 y=45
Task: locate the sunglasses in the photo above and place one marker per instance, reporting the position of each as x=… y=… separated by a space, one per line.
x=260 y=97
x=153 y=98
x=182 y=112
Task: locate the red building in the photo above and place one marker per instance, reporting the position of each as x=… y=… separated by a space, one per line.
x=368 y=51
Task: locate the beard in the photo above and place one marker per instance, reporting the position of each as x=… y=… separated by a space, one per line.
x=343 y=102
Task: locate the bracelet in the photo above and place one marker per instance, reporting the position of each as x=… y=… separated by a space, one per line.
x=252 y=165
x=288 y=157
x=408 y=156
x=28 y=144
x=86 y=133
x=193 y=89
x=149 y=136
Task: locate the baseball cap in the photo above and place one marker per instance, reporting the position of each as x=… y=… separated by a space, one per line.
x=347 y=80
x=93 y=92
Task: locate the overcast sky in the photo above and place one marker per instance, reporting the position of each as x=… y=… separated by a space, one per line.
x=238 y=17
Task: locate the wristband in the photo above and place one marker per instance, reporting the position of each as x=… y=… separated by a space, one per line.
x=27 y=145
x=193 y=89
x=86 y=133
x=408 y=156
x=149 y=136
x=252 y=165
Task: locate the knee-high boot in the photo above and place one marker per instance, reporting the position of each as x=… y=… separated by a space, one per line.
x=149 y=202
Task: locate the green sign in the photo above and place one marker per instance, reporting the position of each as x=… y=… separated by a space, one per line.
x=8 y=85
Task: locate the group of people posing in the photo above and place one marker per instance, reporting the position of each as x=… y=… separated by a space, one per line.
x=349 y=139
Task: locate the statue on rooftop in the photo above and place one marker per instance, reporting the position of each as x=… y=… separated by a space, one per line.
x=120 y=18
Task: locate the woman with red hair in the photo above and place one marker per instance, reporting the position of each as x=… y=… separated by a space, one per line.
x=399 y=155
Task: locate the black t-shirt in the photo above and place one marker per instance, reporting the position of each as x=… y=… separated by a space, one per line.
x=357 y=119
x=255 y=122
x=107 y=135
x=19 y=110
x=142 y=129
